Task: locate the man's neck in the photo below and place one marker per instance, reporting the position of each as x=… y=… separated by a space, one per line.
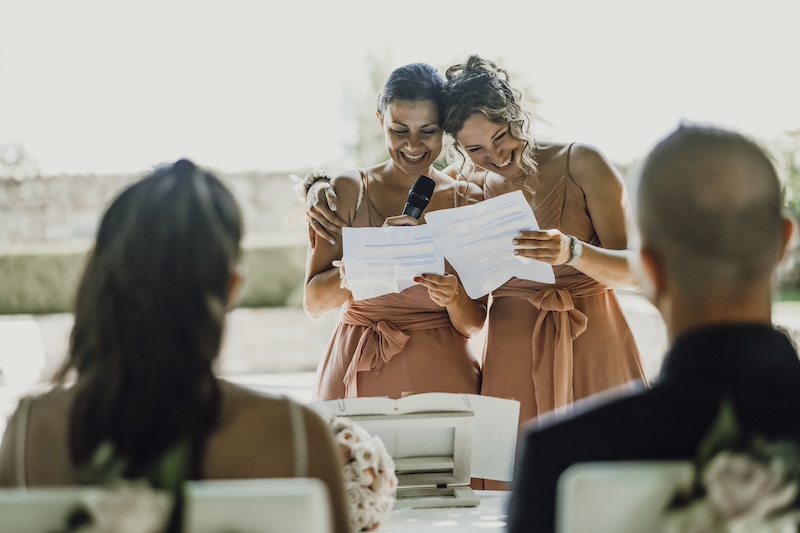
x=688 y=314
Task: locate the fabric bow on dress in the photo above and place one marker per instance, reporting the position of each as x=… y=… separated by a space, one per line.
x=378 y=344
x=555 y=329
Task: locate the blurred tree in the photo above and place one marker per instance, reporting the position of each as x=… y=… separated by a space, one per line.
x=360 y=104
x=786 y=152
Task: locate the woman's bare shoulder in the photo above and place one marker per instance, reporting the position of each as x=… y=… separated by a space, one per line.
x=590 y=167
x=50 y=399
x=242 y=395
x=347 y=181
x=348 y=186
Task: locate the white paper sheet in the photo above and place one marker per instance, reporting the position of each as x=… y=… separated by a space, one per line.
x=384 y=260
x=477 y=241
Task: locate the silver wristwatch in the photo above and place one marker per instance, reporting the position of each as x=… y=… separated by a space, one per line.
x=576 y=247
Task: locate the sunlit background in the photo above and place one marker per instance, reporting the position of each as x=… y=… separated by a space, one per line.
x=97 y=87
x=112 y=87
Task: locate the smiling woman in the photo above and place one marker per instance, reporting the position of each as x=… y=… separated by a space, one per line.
x=416 y=340
x=547 y=345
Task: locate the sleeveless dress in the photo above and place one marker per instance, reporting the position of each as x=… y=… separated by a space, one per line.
x=395 y=343
x=167 y=477
x=549 y=345
x=298 y=430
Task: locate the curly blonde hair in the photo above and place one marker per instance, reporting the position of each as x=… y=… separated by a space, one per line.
x=480 y=86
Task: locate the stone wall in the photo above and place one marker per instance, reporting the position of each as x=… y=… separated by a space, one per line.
x=47 y=225
x=68 y=207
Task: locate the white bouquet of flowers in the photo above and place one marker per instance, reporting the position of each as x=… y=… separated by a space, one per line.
x=743 y=484
x=370 y=481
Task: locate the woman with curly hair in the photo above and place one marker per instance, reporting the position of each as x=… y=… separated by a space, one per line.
x=547 y=345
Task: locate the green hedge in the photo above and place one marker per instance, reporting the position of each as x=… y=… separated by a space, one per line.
x=42 y=278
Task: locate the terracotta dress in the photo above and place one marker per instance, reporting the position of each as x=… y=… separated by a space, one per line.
x=549 y=345
x=395 y=343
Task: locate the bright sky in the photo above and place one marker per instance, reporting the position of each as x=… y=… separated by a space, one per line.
x=99 y=86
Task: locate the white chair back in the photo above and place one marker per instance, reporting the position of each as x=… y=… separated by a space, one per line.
x=618 y=497
x=293 y=505
x=290 y=505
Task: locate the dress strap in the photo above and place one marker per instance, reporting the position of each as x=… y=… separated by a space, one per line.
x=21 y=428
x=362 y=190
x=299 y=438
x=569 y=150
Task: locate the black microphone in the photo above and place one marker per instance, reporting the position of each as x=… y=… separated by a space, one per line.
x=418 y=196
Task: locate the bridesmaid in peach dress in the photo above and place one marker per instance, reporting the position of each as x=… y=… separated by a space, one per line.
x=414 y=341
x=548 y=345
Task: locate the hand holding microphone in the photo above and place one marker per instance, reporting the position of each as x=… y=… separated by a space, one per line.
x=418 y=197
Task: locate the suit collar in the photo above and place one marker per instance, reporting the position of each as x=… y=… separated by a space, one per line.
x=721 y=352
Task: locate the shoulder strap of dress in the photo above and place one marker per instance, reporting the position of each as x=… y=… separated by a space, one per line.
x=362 y=190
x=569 y=150
x=21 y=429
x=298 y=438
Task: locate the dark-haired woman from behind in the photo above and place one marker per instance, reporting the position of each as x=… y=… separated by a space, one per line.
x=139 y=378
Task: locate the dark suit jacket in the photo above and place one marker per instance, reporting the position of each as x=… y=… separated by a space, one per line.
x=756 y=366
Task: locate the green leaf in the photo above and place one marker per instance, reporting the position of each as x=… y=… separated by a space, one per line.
x=724 y=433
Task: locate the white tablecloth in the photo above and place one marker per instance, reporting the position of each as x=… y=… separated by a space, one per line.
x=490 y=515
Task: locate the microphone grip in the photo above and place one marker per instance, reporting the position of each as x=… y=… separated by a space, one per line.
x=415 y=205
x=418 y=196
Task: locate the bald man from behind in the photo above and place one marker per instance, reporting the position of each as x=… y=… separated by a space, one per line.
x=713 y=231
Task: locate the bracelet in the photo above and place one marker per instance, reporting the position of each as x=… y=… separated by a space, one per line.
x=342 y=279
x=301 y=186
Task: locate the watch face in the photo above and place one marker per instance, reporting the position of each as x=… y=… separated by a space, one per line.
x=577 y=247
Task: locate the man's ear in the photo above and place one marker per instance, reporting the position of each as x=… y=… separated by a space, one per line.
x=789 y=236
x=235 y=284
x=379 y=116
x=654 y=276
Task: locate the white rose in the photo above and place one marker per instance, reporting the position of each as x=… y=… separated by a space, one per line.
x=385 y=482
x=134 y=508
x=364 y=454
x=736 y=485
x=697 y=517
x=361 y=433
x=347 y=437
x=352 y=494
x=338 y=423
x=360 y=519
x=354 y=473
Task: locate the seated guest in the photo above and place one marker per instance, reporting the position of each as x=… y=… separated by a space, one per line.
x=713 y=232
x=139 y=378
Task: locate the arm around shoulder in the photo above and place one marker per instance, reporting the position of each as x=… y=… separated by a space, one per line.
x=323 y=292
